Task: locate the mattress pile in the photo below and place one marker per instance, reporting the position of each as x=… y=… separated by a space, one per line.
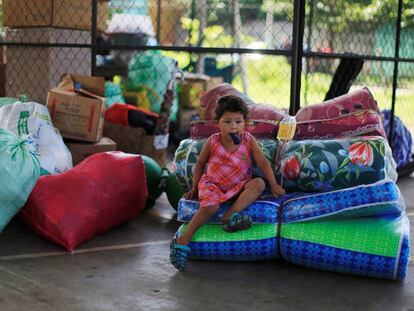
x=342 y=212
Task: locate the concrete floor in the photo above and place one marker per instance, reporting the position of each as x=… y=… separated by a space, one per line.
x=128 y=269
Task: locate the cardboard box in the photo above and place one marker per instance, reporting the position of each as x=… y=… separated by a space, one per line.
x=78 y=115
x=134 y=140
x=74 y=14
x=191 y=88
x=169 y=21
x=35 y=70
x=81 y=150
x=214 y=81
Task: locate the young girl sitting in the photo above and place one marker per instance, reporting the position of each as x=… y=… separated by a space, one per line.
x=228 y=175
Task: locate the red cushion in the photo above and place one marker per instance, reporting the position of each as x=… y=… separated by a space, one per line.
x=359 y=100
x=258 y=128
x=103 y=191
x=360 y=123
x=208 y=103
x=265 y=112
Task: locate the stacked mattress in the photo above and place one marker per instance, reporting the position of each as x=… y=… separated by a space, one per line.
x=310 y=165
x=342 y=212
x=361 y=230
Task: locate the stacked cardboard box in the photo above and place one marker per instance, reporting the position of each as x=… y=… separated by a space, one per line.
x=81 y=150
x=191 y=89
x=35 y=70
x=135 y=140
x=79 y=115
x=169 y=21
x=74 y=14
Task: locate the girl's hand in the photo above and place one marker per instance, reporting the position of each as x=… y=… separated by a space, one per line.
x=277 y=190
x=191 y=195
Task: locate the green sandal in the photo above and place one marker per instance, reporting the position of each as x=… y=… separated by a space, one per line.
x=179 y=254
x=237 y=222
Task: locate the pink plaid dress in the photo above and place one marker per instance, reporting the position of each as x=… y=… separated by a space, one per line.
x=227 y=171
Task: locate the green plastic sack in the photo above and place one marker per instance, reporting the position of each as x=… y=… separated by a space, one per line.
x=153 y=173
x=113 y=94
x=149 y=73
x=174 y=190
x=19 y=172
x=7 y=101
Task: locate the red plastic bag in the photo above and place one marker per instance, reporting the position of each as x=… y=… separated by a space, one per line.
x=103 y=191
x=118 y=113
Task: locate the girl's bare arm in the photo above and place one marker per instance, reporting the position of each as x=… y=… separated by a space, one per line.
x=266 y=168
x=199 y=169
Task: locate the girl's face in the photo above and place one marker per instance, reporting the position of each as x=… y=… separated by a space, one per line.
x=231 y=122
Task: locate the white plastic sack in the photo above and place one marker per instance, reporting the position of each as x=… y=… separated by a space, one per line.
x=33 y=119
x=19 y=171
x=131 y=23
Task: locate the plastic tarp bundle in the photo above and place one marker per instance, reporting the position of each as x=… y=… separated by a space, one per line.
x=103 y=191
x=361 y=230
x=324 y=165
x=33 y=120
x=402 y=143
x=19 y=172
x=187 y=153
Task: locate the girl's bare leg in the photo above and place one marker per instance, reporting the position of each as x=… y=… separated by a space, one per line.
x=251 y=191
x=199 y=219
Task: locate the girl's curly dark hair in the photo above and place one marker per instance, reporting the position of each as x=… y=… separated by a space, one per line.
x=231 y=103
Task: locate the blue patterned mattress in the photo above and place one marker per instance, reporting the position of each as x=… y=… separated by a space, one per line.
x=360 y=230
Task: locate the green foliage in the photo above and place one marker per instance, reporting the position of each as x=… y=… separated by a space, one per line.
x=214 y=36
x=221 y=11
x=339 y=14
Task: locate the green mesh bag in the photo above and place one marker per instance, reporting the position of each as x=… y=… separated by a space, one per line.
x=113 y=94
x=148 y=76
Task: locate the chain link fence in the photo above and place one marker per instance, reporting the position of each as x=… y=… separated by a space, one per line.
x=279 y=52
